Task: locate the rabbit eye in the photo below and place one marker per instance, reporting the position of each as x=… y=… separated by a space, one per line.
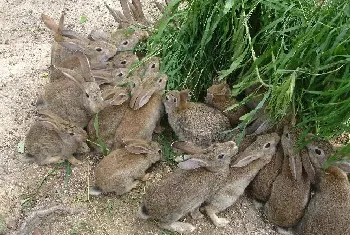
x=174 y=100
x=120 y=74
x=153 y=66
x=125 y=43
x=123 y=62
x=160 y=80
x=71 y=133
x=318 y=152
x=160 y=151
x=287 y=135
x=166 y=97
x=267 y=145
x=221 y=156
x=98 y=49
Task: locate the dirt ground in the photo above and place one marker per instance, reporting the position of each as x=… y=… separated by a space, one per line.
x=24 y=58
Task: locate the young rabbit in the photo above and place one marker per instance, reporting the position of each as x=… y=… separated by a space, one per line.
x=121 y=170
x=52 y=139
x=244 y=168
x=75 y=97
x=195 y=122
x=219 y=97
x=146 y=109
x=99 y=52
x=328 y=211
x=289 y=196
x=187 y=188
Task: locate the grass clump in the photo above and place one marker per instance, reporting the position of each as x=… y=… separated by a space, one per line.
x=296 y=52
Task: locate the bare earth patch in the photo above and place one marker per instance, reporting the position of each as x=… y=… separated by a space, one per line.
x=24 y=58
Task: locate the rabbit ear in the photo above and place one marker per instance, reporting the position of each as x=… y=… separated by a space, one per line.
x=135 y=93
x=308 y=167
x=248 y=159
x=85 y=67
x=50 y=23
x=192 y=163
x=184 y=95
x=137 y=146
x=116 y=96
x=187 y=147
x=143 y=98
x=296 y=166
x=71 y=46
x=96 y=35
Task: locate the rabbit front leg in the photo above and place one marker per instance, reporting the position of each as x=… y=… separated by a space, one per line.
x=196 y=214
x=212 y=213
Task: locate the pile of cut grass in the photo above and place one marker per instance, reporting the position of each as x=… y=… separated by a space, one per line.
x=298 y=52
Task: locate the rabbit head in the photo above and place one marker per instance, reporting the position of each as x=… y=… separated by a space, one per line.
x=219 y=92
x=99 y=52
x=142 y=93
x=218 y=159
x=176 y=100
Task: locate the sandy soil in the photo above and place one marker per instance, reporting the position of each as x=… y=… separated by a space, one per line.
x=24 y=59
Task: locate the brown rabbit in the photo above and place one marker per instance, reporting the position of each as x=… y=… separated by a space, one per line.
x=121 y=170
x=52 y=139
x=75 y=98
x=219 y=97
x=289 y=196
x=195 y=122
x=187 y=188
x=328 y=211
x=141 y=120
x=244 y=168
x=66 y=41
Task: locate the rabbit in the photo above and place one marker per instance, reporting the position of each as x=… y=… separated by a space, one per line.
x=328 y=211
x=289 y=195
x=121 y=170
x=194 y=122
x=243 y=169
x=99 y=52
x=219 y=97
x=184 y=190
x=142 y=117
x=75 y=98
x=52 y=139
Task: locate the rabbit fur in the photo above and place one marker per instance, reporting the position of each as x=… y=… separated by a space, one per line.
x=184 y=190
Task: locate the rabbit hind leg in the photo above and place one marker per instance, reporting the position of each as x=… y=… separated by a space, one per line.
x=211 y=212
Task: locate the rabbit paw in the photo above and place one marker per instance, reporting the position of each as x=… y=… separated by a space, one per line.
x=72 y=160
x=221 y=222
x=179 y=227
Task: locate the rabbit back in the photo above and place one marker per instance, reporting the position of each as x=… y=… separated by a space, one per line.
x=180 y=193
x=117 y=171
x=47 y=145
x=66 y=99
x=140 y=124
x=199 y=123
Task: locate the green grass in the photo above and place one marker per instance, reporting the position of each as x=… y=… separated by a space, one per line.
x=100 y=143
x=297 y=51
